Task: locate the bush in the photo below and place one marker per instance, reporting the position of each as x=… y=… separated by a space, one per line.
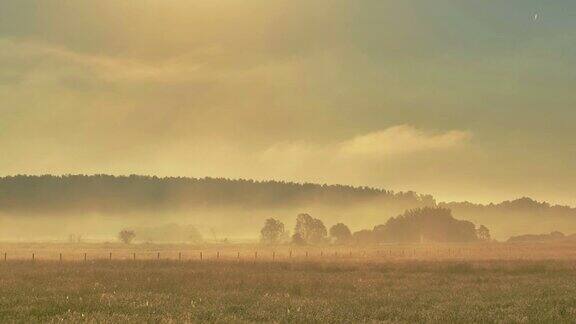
x=126 y=236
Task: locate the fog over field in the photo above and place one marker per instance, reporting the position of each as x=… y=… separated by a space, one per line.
x=97 y=207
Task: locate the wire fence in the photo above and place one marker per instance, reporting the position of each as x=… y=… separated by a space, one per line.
x=382 y=254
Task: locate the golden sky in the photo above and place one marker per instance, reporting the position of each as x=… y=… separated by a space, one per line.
x=464 y=100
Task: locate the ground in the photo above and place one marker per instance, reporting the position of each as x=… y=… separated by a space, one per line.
x=384 y=284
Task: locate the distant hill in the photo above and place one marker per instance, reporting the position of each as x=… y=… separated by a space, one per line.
x=516 y=217
x=234 y=205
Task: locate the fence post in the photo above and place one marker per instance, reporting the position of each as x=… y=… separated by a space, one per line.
x=110 y=256
x=158 y=256
x=32 y=256
x=84 y=256
x=5 y=256
x=238 y=256
x=134 y=255
x=273 y=255
x=321 y=253
x=290 y=254
x=60 y=257
x=217 y=255
x=200 y=255
x=179 y=256
x=306 y=253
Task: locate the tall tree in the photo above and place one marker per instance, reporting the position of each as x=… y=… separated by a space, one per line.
x=310 y=230
x=340 y=233
x=483 y=233
x=272 y=232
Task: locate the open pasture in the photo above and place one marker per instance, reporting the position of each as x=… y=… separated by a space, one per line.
x=472 y=285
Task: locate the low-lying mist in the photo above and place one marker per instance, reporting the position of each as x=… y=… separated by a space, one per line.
x=212 y=225
x=97 y=208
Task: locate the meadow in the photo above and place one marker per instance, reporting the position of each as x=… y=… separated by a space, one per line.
x=172 y=283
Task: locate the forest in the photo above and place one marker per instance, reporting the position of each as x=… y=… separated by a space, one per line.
x=106 y=193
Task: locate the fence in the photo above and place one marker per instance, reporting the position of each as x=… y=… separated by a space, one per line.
x=267 y=255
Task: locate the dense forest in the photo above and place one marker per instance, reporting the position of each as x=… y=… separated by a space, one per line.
x=231 y=206
x=105 y=193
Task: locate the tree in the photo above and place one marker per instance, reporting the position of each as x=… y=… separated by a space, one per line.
x=126 y=236
x=75 y=238
x=426 y=224
x=483 y=233
x=272 y=232
x=297 y=239
x=364 y=237
x=311 y=230
x=340 y=233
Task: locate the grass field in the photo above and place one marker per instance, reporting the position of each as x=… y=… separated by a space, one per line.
x=374 y=284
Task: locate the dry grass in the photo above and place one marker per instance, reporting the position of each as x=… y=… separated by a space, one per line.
x=361 y=288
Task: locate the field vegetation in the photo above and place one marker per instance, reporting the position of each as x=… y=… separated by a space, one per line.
x=489 y=282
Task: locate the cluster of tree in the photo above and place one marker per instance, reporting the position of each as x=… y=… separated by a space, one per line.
x=424 y=225
x=538 y=237
x=119 y=194
x=414 y=226
x=308 y=230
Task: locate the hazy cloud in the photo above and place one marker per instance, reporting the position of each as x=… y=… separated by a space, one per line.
x=391 y=143
x=403 y=139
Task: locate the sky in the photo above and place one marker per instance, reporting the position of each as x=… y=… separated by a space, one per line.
x=465 y=100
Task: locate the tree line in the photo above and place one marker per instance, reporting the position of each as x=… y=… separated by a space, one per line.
x=118 y=194
x=420 y=225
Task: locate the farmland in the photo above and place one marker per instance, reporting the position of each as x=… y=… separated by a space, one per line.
x=162 y=283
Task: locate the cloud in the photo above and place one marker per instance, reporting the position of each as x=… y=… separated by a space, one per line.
x=59 y=61
x=402 y=139
x=391 y=142
x=403 y=157
x=362 y=154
